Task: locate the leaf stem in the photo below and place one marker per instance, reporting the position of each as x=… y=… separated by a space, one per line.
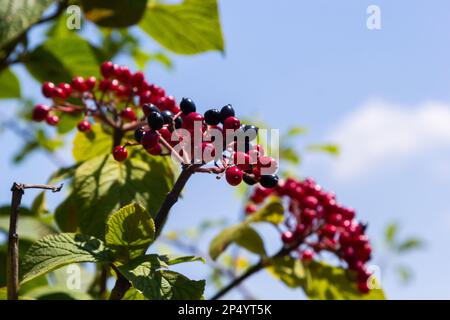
x=18 y=190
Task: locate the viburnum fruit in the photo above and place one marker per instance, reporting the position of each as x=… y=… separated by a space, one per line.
x=316 y=222
x=234 y=176
x=40 y=112
x=187 y=106
x=84 y=126
x=120 y=153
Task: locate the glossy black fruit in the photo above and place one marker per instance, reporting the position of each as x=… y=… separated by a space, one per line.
x=187 y=106
x=226 y=112
x=139 y=133
x=212 y=117
x=269 y=181
x=155 y=120
x=167 y=116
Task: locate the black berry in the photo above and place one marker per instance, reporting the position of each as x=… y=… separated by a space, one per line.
x=249 y=180
x=251 y=131
x=269 y=181
x=178 y=123
x=149 y=108
x=187 y=106
x=139 y=133
x=155 y=120
x=167 y=116
x=226 y=112
x=212 y=117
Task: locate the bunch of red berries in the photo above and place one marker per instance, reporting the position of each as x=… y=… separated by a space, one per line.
x=216 y=137
x=316 y=222
x=116 y=99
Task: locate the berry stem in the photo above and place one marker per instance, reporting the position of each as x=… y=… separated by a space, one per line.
x=173 y=195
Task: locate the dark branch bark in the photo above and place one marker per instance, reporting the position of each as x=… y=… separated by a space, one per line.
x=121 y=287
x=173 y=195
x=12 y=274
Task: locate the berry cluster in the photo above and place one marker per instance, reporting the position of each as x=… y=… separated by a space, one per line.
x=127 y=102
x=316 y=222
x=216 y=137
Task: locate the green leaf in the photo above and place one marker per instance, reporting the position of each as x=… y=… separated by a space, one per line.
x=295 y=131
x=171 y=260
x=102 y=185
x=56 y=251
x=28 y=228
x=157 y=284
x=68 y=122
x=390 y=233
x=325 y=282
x=241 y=234
x=289 y=154
x=9 y=84
x=59 y=59
x=287 y=269
x=327 y=148
x=17 y=16
x=114 y=13
x=410 y=244
x=4 y=295
x=189 y=27
x=129 y=231
x=272 y=212
x=88 y=145
x=57 y=293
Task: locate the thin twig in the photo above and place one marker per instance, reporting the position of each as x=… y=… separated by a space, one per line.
x=17 y=190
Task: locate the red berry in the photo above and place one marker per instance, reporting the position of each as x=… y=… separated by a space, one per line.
x=52 y=120
x=329 y=230
x=47 y=89
x=268 y=165
x=84 y=126
x=363 y=287
x=124 y=74
x=108 y=69
x=104 y=85
x=67 y=88
x=250 y=208
x=157 y=91
x=308 y=216
x=208 y=152
x=307 y=255
x=234 y=176
x=190 y=120
x=241 y=160
x=156 y=150
x=287 y=237
x=165 y=134
x=91 y=82
x=231 y=123
x=59 y=93
x=150 y=139
x=137 y=79
x=114 y=85
x=310 y=202
x=79 y=84
x=40 y=112
x=120 y=153
x=145 y=97
x=128 y=114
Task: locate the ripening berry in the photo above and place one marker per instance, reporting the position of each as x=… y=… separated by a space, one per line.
x=124 y=74
x=67 y=88
x=84 y=126
x=108 y=69
x=128 y=114
x=234 y=176
x=120 y=153
x=52 y=120
x=232 y=123
x=250 y=208
x=91 y=82
x=78 y=84
x=150 y=139
x=287 y=237
x=329 y=230
x=307 y=255
x=59 y=93
x=137 y=79
x=241 y=160
x=40 y=112
x=157 y=91
x=156 y=150
x=145 y=97
x=208 y=152
x=310 y=202
x=47 y=89
x=363 y=287
x=104 y=85
x=114 y=85
x=190 y=120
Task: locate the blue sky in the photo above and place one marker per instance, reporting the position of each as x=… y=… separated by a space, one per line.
x=383 y=95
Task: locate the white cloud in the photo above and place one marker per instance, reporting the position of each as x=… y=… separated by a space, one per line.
x=380 y=133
